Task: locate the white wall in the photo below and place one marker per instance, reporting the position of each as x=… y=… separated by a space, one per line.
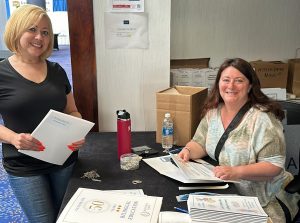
x=60 y=25
x=219 y=29
x=129 y=78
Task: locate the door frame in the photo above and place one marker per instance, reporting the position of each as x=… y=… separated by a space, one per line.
x=83 y=58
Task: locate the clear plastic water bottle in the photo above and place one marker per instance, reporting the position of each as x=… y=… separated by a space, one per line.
x=167 y=133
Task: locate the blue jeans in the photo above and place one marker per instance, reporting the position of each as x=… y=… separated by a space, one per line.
x=40 y=196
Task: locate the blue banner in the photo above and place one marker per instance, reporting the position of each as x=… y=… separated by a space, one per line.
x=59 y=5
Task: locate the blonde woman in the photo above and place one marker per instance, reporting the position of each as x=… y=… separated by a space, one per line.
x=30 y=86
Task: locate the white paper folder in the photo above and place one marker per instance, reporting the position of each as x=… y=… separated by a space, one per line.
x=56 y=131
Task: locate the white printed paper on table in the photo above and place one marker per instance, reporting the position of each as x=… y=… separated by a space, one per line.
x=126 y=30
x=173 y=217
x=128 y=191
x=165 y=167
x=126 y=5
x=226 y=209
x=56 y=131
x=194 y=171
x=93 y=206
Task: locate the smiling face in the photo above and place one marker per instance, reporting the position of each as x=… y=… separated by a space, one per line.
x=233 y=87
x=35 y=40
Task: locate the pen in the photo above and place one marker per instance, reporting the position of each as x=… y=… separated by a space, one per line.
x=181 y=210
x=172 y=161
x=177 y=150
x=184 y=197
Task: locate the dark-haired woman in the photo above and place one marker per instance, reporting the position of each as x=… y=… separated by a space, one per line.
x=254 y=152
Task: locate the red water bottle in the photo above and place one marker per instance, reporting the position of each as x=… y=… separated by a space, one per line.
x=123 y=132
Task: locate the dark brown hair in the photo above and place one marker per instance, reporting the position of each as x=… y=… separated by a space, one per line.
x=256 y=97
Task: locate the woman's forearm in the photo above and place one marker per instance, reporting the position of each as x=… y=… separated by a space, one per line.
x=258 y=172
x=6 y=134
x=76 y=114
x=196 y=151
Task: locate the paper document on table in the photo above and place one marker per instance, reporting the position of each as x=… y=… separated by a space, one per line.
x=56 y=131
x=173 y=217
x=164 y=166
x=195 y=171
x=128 y=191
x=93 y=206
x=227 y=209
x=206 y=187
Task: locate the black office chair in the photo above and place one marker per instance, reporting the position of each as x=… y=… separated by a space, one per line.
x=292 y=118
x=294 y=185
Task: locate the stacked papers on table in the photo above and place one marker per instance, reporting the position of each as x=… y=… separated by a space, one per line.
x=165 y=166
x=226 y=209
x=194 y=171
x=93 y=206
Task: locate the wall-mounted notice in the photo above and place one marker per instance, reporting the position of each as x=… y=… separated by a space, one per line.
x=126 y=30
x=126 y=5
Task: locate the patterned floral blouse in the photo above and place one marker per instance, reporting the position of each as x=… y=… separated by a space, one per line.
x=259 y=137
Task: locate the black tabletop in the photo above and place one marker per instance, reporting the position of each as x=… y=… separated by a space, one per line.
x=100 y=154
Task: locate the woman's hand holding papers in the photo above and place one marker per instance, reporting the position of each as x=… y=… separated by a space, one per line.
x=226 y=172
x=27 y=142
x=76 y=145
x=184 y=154
x=192 y=150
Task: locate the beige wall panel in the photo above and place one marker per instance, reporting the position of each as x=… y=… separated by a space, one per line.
x=129 y=78
x=219 y=29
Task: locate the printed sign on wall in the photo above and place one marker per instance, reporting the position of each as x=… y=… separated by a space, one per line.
x=126 y=30
x=126 y=5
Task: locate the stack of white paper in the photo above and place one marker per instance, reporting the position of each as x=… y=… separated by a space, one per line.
x=93 y=206
x=195 y=171
x=226 y=209
x=56 y=131
x=164 y=166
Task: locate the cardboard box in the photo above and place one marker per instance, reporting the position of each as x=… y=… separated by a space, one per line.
x=190 y=63
x=271 y=74
x=178 y=75
x=204 y=77
x=185 y=104
x=278 y=94
x=293 y=84
x=181 y=76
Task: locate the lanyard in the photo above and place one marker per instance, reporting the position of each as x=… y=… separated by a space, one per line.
x=233 y=124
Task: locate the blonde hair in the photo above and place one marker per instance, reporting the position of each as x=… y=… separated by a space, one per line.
x=20 y=21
